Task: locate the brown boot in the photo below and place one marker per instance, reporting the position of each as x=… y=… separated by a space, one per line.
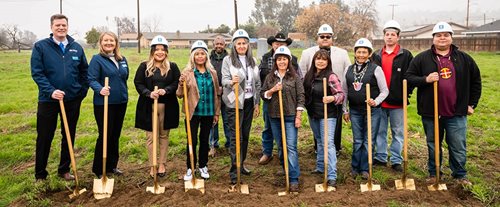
x=265 y=159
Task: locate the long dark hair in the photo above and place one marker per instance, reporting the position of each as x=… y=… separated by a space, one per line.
x=235 y=60
x=312 y=73
x=290 y=73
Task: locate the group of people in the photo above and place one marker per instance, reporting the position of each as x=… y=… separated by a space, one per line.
x=213 y=79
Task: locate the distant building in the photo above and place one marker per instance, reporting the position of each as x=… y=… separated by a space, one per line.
x=425 y=31
x=299 y=39
x=491 y=29
x=175 y=39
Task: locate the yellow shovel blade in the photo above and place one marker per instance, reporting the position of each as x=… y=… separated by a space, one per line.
x=77 y=193
x=369 y=187
x=320 y=188
x=436 y=187
x=199 y=184
x=103 y=189
x=244 y=189
x=155 y=189
x=408 y=185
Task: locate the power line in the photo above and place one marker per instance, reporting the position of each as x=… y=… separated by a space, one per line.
x=393 y=5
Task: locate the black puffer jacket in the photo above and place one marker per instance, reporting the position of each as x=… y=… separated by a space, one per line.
x=400 y=65
x=468 y=81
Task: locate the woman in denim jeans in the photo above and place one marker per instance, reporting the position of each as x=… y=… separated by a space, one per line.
x=359 y=74
x=321 y=67
x=283 y=77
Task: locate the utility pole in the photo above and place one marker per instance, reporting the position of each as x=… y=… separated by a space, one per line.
x=393 y=5
x=138 y=29
x=60 y=6
x=236 y=14
x=467 y=18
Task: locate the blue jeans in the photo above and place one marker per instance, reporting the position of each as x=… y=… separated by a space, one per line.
x=214 y=132
x=291 y=145
x=360 y=137
x=456 y=129
x=267 y=133
x=317 y=126
x=395 y=117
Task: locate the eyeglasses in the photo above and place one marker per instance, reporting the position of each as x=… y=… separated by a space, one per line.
x=325 y=37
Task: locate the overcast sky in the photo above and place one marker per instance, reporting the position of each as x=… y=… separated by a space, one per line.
x=195 y=15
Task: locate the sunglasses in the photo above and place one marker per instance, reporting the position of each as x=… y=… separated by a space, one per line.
x=325 y=37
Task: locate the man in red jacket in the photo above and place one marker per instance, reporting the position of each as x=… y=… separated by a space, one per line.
x=394 y=61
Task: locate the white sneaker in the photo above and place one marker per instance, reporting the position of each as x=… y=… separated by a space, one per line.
x=204 y=172
x=188 y=175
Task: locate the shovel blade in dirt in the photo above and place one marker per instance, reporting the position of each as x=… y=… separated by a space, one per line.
x=369 y=187
x=103 y=188
x=157 y=189
x=243 y=189
x=321 y=188
x=437 y=186
x=77 y=192
x=406 y=184
x=196 y=184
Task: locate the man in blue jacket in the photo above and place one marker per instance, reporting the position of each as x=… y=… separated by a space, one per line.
x=59 y=68
x=459 y=90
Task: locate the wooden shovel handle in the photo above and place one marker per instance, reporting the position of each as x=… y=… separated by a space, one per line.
x=325 y=137
x=105 y=131
x=369 y=131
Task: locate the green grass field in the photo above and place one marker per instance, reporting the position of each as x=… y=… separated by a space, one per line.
x=18 y=102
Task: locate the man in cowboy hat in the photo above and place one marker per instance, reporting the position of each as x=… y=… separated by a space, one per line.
x=265 y=67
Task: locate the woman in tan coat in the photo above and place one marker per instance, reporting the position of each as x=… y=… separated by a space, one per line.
x=203 y=102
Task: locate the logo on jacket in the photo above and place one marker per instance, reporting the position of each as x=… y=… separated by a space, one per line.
x=445 y=73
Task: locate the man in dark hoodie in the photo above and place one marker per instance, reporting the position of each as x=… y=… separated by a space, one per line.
x=216 y=57
x=59 y=68
x=265 y=67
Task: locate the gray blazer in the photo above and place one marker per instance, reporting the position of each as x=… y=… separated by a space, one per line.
x=339 y=56
x=228 y=70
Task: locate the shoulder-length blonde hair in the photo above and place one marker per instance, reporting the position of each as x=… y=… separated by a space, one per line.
x=116 y=51
x=191 y=64
x=164 y=66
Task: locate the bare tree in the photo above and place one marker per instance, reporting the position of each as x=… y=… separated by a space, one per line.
x=27 y=38
x=265 y=10
x=152 y=24
x=125 y=25
x=12 y=32
x=289 y=12
x=365 y=17
x=347 y=25
x=4 y=41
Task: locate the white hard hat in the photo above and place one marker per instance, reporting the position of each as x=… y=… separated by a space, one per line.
x=325 y=29
x=159 y=40
x=240 y=33
x=363 y=42
x=283 y=50
x=442 y=27
x=392 y=24
x=199 y=44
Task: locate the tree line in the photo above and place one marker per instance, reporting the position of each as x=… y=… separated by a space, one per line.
x=349 y=22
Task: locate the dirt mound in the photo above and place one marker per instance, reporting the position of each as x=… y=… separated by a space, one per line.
x=264 y=184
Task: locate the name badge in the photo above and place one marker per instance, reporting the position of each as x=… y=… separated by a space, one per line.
x=75 y=58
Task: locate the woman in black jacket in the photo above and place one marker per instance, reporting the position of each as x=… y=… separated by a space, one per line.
x=157 y=71
x=321 y=67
